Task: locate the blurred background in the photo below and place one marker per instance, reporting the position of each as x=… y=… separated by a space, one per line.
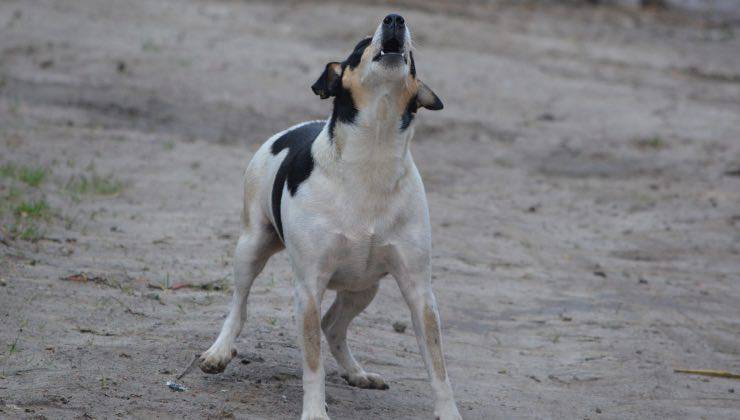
x=583 y=179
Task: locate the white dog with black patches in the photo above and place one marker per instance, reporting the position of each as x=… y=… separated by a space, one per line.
x=346 y=200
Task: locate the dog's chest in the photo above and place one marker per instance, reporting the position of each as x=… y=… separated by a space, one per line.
x=361 y=262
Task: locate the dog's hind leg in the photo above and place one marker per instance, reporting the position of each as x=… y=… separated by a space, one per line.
x=346 y=307
x=254 y=248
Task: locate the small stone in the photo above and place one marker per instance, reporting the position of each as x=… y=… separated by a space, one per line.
x=175 y=386
x=251 y=359
x=284 y=376
x=598 y=410
x=546 y=117
x=399 y=327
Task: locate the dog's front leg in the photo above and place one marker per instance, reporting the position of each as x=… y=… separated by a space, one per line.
x=308 y=293
x=411 y=268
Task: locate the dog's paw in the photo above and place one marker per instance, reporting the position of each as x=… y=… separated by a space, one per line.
x=215 y=360
x=320 y=415
x=365 y=380
x=447 y=411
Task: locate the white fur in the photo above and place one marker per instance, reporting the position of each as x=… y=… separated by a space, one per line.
x=360 y=215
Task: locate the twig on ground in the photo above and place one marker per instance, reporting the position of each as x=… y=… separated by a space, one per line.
x=94 y=332
x=189 y=368
x=128 y=309
x=213 y=285
x=714 y=373
x=84 y=278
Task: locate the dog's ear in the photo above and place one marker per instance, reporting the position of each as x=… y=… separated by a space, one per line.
x=326 y=85
x=427 y=98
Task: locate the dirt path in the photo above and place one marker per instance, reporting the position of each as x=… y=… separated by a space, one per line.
x=583 y=179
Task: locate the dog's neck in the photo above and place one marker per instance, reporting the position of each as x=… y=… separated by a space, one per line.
x=373 y=149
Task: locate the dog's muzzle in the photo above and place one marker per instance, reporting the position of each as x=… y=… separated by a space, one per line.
x=392 y=40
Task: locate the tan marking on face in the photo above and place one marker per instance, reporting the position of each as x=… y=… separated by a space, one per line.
x=352 y=80
x=431 y=331
x=409 y=90
x=311 y=336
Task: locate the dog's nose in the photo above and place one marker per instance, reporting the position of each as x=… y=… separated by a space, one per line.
x=393 y=21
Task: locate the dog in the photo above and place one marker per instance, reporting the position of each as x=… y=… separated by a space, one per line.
x=345 y=199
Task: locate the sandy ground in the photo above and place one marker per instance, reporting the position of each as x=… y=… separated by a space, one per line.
x=583 y=180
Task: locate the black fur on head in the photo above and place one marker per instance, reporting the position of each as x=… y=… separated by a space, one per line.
x=354 y=59
x=327 y=84
x=330 y=84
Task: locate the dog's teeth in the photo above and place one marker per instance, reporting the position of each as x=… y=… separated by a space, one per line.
x=382 y=53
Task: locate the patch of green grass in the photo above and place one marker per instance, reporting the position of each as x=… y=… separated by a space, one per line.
x=184 y=62
x=13 y=347
x=29 y=232
x=653 y=143
x=27 y=216
x=150 y=46
x=22 y=217
x=8 y=170
x=33 y=209
x=94 y=184
x=32 y=176
x=14 y=194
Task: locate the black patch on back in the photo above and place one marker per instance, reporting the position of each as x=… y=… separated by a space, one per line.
x=409 y=113
x=345 y=109
x=297 y=165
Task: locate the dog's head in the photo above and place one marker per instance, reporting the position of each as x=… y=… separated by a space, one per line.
x=379 y=65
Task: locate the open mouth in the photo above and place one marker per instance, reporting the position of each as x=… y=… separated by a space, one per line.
x=391 y=48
